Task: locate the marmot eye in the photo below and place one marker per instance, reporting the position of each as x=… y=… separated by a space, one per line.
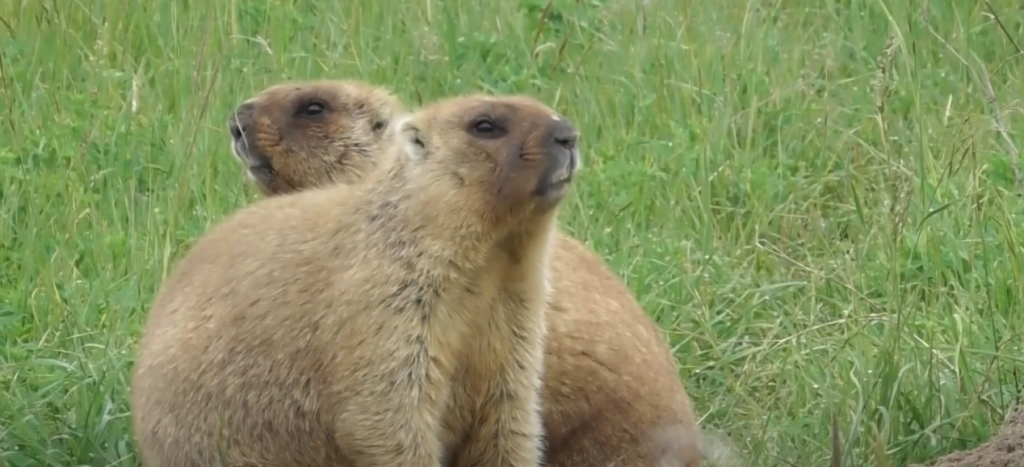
x=484 y=126
x=314 y=108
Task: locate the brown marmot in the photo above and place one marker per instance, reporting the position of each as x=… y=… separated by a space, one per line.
x=392 y=323
x=612 y=395
x=345 y=121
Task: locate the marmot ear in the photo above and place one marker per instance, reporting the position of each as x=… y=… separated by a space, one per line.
x=410 y=136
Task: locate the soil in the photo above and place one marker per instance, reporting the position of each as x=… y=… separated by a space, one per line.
x=1005 y=449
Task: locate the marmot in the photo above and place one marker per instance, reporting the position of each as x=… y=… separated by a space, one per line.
x=611 y=393
x=397 y=322
x=346 y=120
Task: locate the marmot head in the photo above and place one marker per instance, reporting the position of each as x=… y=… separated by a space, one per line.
x=497 y=158
x=296 y=135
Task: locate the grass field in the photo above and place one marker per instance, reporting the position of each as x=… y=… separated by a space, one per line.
x=816 y=198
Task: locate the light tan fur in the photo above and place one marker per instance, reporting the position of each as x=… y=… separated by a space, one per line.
x=612 y=395
x=391 y=323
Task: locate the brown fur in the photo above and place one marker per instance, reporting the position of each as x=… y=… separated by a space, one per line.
x=612 y=395
x=392 y=323
x=295 y=134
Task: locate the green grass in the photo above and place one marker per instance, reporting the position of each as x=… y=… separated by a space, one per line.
x=813 y=197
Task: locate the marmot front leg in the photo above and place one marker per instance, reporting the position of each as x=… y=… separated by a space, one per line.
x=395 y=424
x=414 y=445
x=512 y=437
x=509 y=428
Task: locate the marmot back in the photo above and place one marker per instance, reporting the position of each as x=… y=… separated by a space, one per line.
x=397 y=322
x=611 y=389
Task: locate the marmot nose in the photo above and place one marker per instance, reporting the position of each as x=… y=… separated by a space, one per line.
x=241 y=120
x=565 y=134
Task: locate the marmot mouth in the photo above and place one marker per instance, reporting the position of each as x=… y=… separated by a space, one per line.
x=262 y=169
x=261 y=173
x=561 y=178
x=556 y=185
x=240 y=151
x=565 y=174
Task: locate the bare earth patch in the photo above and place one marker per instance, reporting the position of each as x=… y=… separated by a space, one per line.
x=1005 y=449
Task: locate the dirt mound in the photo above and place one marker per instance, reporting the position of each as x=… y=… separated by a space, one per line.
x=1005 y=449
